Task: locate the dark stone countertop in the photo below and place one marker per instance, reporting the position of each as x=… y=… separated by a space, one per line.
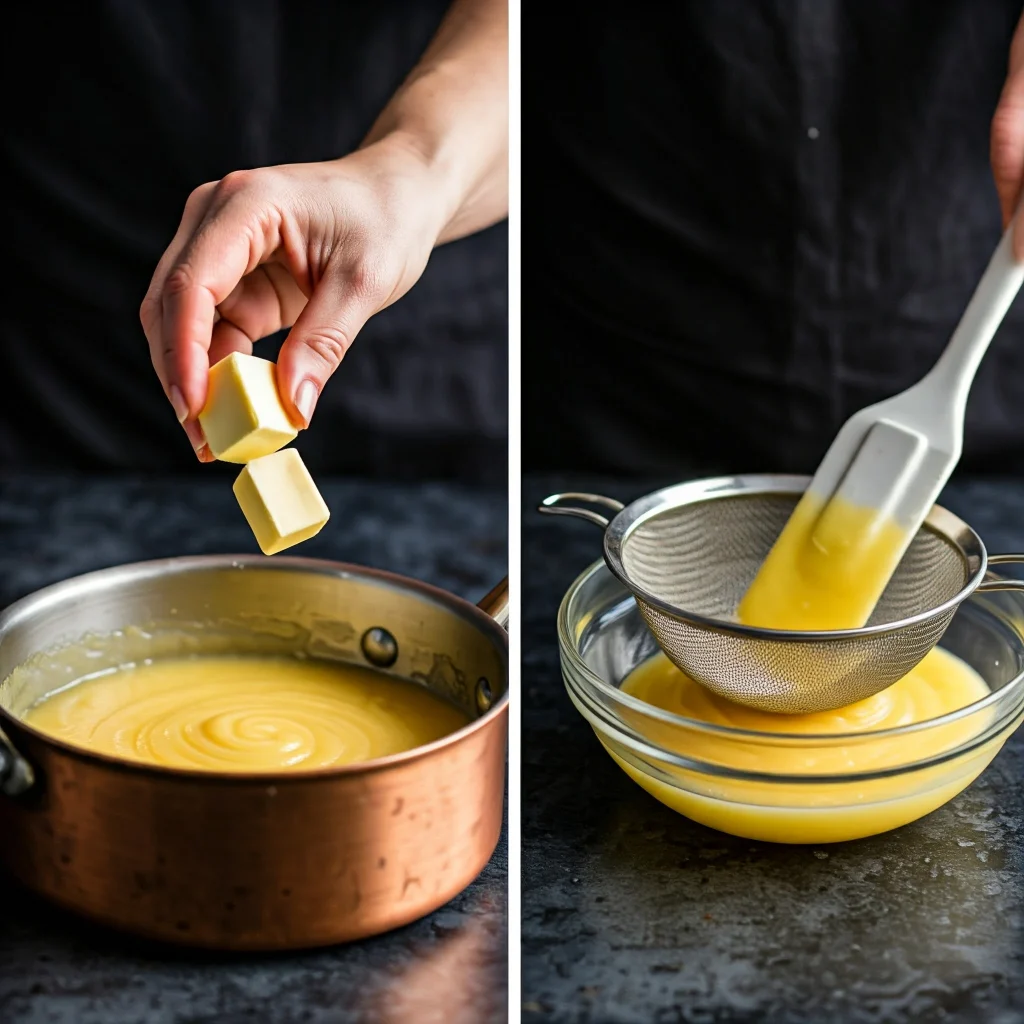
x=633 y=913
x=450 y=966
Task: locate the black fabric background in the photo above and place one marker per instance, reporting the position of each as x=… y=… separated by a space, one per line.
x=115 y=110
x=743 y=221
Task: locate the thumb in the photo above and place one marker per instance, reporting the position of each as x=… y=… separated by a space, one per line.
x=1007 y=138
x=317 y=343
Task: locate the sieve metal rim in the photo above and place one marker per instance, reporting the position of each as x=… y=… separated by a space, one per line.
x=628 y=518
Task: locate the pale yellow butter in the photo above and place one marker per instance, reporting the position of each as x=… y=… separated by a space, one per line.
x=243 y=418
x=280 y=501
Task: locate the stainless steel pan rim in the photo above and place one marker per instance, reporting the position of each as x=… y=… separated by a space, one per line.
x=17 y=776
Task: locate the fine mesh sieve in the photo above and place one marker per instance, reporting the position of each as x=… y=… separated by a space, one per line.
x=689 y=552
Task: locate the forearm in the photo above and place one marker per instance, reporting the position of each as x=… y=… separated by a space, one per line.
x=452 y=112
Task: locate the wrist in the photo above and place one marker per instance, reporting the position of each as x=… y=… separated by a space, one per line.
x=416 y=180
x=450 y=126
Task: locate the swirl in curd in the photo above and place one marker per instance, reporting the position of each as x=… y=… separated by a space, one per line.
x=237 y=714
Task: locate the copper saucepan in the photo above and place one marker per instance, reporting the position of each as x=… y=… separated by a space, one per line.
x=255 y=861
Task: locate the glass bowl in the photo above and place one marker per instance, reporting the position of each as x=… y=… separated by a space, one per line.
x=715 y=774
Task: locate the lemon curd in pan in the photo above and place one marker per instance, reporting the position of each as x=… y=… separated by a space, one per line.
x=245 y=714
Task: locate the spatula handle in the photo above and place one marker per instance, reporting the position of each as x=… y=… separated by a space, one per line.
x=955 y=370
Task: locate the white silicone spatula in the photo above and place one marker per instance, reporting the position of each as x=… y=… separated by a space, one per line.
x=896 y=456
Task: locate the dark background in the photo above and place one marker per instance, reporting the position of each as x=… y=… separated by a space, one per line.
x=742 y=222
x=120 y=108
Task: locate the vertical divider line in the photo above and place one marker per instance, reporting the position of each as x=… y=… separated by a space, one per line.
x=515 y=506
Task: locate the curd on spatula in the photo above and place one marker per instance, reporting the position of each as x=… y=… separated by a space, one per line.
x=826 y=570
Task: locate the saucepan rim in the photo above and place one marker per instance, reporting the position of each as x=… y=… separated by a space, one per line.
x=56 y=592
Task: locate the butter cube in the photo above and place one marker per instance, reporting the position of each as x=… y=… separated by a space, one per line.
x=243 y=418
x=280 y=501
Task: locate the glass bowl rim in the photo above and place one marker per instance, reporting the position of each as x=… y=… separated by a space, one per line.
x=1006 y=693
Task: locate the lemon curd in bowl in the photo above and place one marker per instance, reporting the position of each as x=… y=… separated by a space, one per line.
x=827 y=777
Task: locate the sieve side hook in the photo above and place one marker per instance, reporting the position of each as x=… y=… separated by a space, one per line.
x=994 y=584
x=552 y=506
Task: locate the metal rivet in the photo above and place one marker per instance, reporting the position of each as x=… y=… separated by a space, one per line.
x=380 y=648
x=484 y=699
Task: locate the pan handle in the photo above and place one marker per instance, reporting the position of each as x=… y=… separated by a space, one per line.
x=16 y=775
x=988 y=586
x=496 y=604
x=552 y=506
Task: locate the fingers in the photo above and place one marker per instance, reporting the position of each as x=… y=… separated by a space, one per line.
x=1007 y=140
x=225 y=233
x=262 y=303
x=182 y=396
x=228 y=245
x=323 y=333
x=1007 y=147
x=150 y=312
x=253 y=310
x=228 y=338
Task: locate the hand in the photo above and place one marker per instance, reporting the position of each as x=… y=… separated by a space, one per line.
x=317 y=247
x=1007 y=141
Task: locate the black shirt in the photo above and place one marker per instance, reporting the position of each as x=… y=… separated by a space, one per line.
x=744 y=221
x=130 y=104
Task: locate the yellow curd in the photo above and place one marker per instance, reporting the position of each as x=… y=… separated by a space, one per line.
x=237 y=714
x=827 y=569
x=811 y=811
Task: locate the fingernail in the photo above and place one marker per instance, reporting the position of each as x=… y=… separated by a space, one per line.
x=196 y=438
x=305 y=400
x=178 y=402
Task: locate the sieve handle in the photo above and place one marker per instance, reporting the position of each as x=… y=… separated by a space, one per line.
x=990 y=586
x=552 y=506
